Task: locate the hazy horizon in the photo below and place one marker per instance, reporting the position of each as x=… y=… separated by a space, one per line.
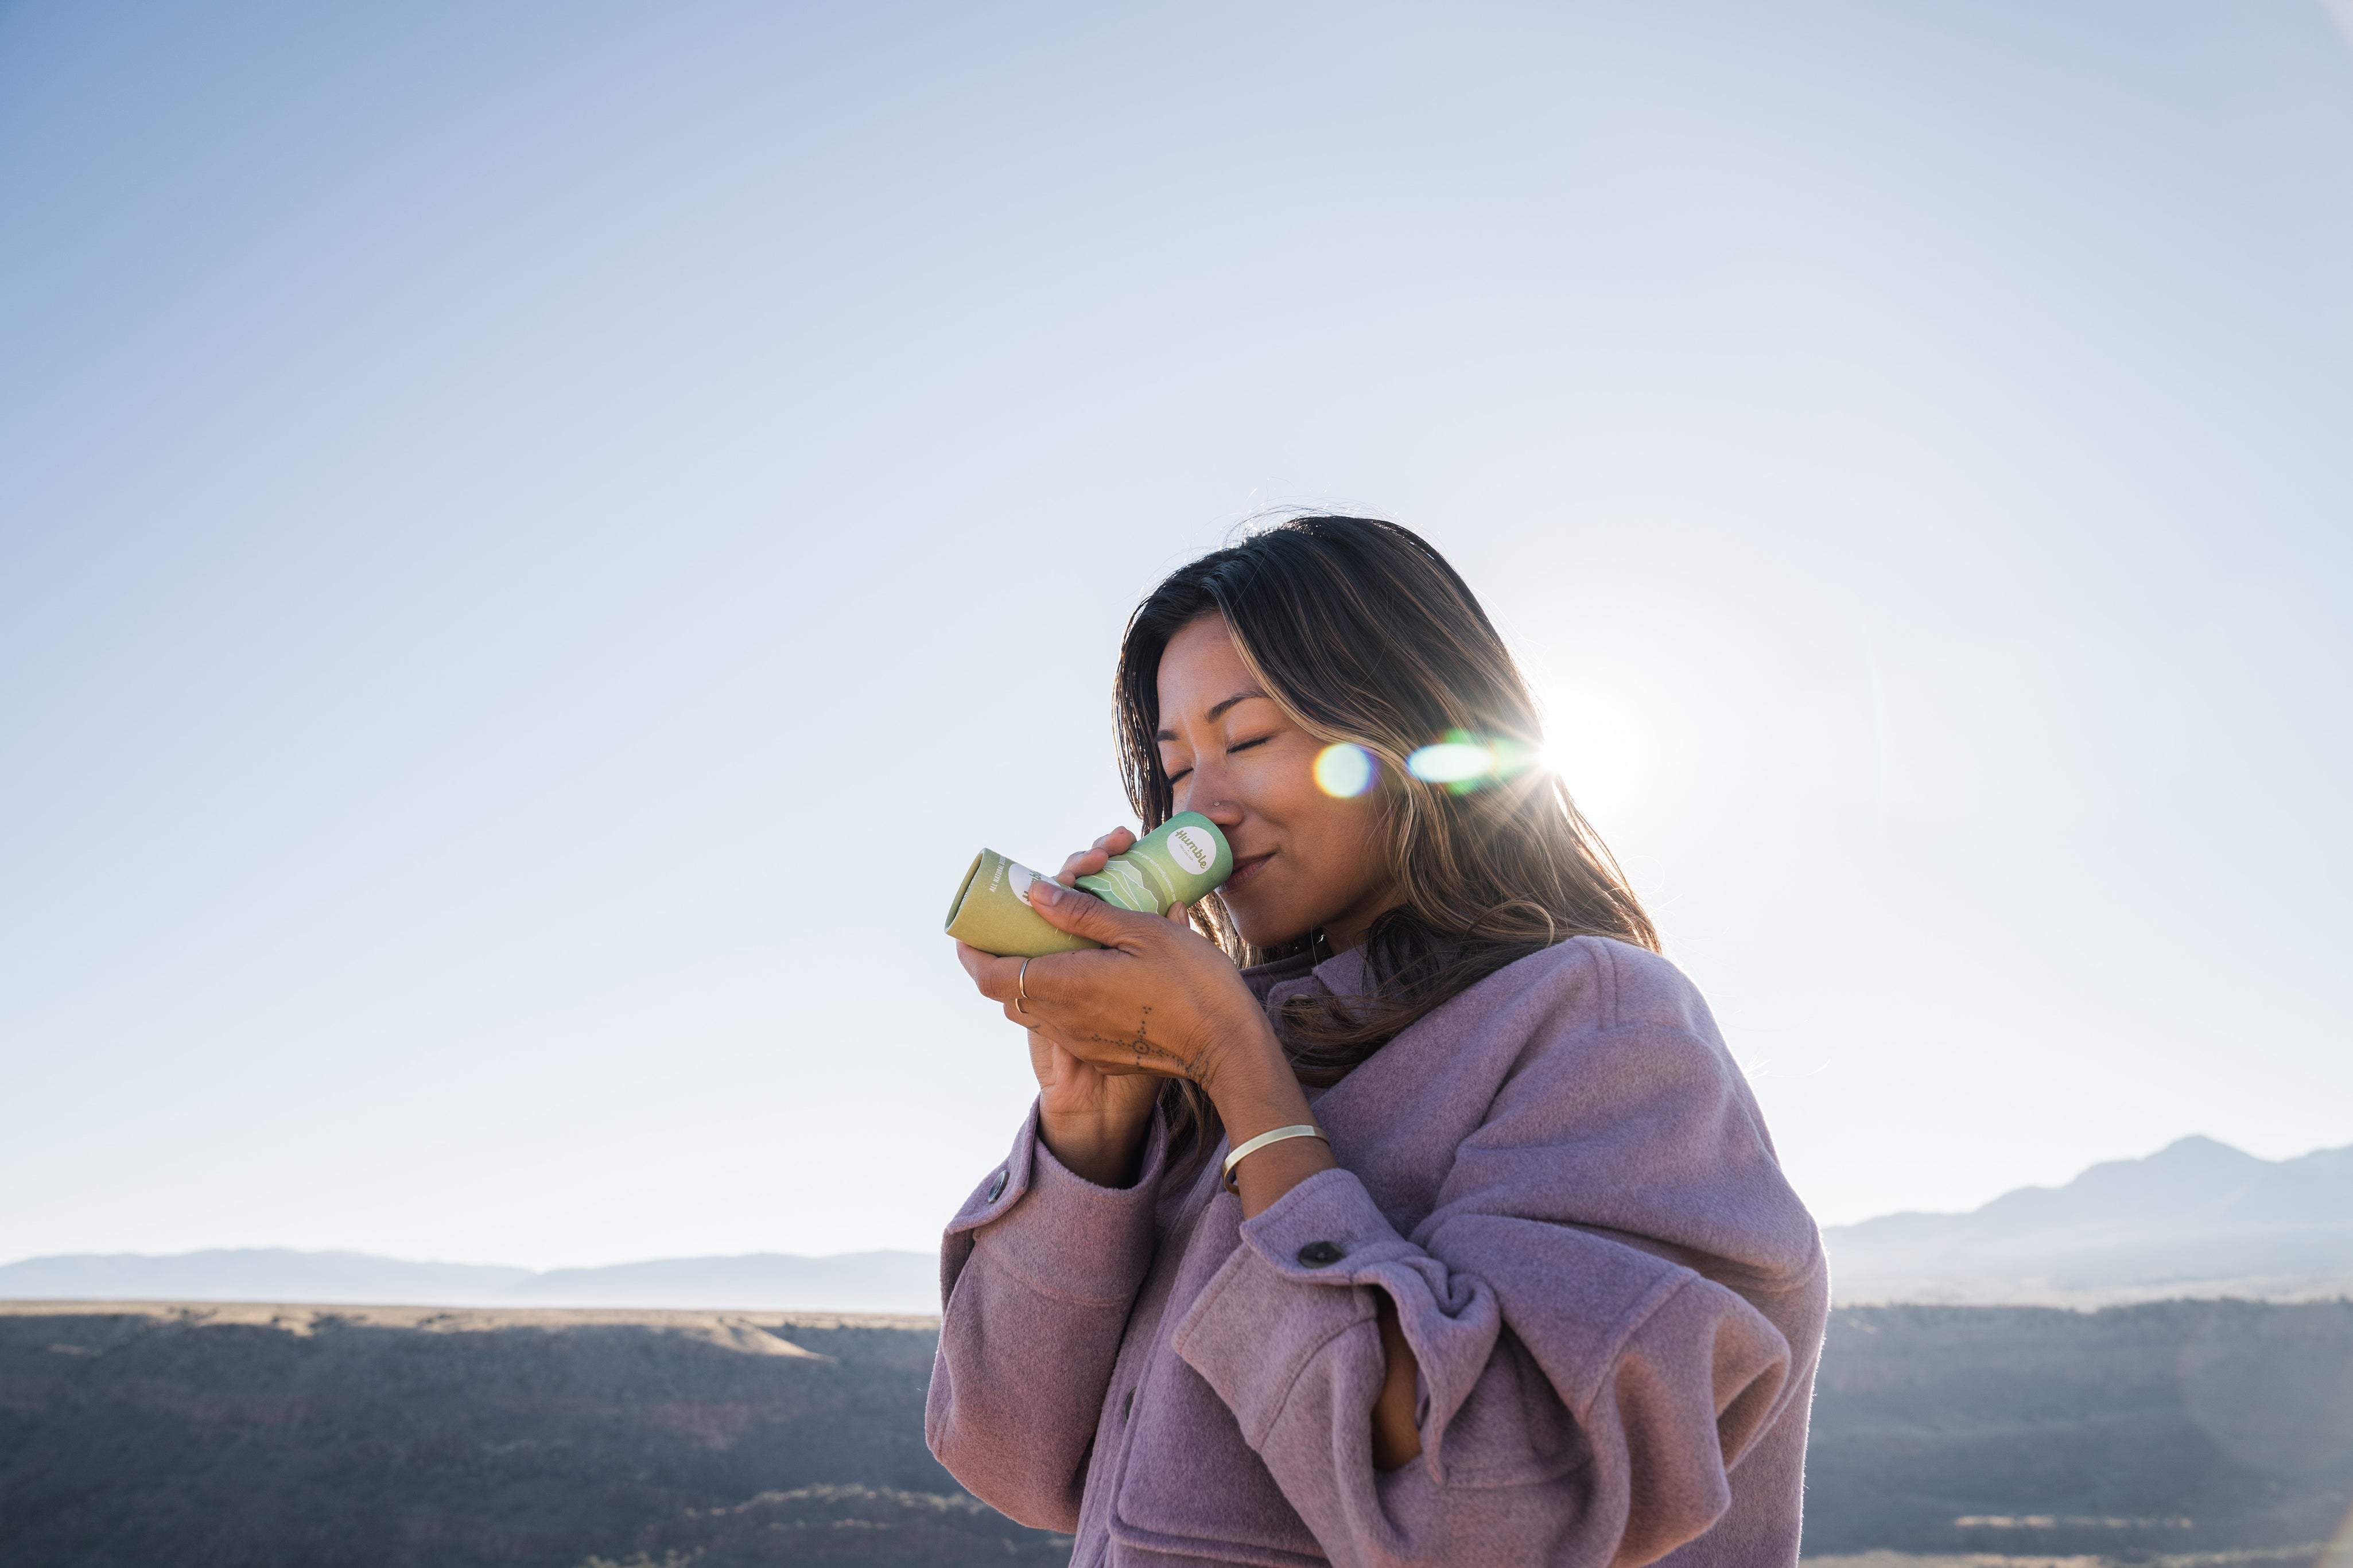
x=534 y=546
x=495 y=1264
x=2196 y=1220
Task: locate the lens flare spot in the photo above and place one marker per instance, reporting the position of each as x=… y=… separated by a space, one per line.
x=1452 y=762
x=1344 y=770
x=1463 y=761
x=2339 y=1551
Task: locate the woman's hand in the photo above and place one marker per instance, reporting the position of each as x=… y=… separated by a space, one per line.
x=1156 y=1000
x=1095 y=1119
x=1095 y=1123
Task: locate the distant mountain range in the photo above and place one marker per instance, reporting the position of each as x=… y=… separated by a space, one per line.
x=760 y=1281
x=2196 y=1219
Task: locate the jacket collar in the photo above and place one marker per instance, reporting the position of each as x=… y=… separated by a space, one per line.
x=1342 y=974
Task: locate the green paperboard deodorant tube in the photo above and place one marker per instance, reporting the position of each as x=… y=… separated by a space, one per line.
x=1175 y=863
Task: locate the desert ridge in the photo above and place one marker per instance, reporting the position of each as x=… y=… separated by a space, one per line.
x=2191 y=1434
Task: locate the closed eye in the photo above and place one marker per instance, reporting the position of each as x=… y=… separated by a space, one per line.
x=1236 y=746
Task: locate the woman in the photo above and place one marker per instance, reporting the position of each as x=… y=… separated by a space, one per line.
x=1507 y=1272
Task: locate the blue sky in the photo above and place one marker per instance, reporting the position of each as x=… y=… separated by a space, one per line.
x=534 y=547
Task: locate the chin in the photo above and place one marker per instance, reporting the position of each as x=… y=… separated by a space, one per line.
x=1263 y=929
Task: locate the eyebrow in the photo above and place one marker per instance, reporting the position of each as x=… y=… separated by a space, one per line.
x=1218 y=712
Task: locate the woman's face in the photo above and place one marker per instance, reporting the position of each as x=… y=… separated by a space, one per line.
x=1302 y=859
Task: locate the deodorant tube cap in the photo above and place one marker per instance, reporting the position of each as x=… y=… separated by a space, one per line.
x=991 y=911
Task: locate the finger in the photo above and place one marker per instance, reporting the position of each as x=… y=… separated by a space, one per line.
x=1023 y=980
x=1085 y=863
x=1182 y=914
x=998 y=979
x=1081 y=914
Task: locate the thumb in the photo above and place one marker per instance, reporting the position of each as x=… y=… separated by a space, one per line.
x=1082 y=914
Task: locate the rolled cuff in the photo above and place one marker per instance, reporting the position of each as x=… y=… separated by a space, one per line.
x=1287 y=1292
x=1054 y=1230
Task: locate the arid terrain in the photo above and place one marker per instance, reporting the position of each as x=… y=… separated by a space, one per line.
x=2168 y=1428
x=2194 y=1434
x=201 y=1435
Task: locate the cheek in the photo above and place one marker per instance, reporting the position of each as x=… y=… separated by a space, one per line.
x=1356 y=836
x=1339 y=841
x=1286 y=789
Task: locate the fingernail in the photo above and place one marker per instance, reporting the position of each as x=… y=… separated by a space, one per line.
x=1045 y=891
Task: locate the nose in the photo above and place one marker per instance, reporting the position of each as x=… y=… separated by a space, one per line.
x=1225 y=812
x=1205 y=790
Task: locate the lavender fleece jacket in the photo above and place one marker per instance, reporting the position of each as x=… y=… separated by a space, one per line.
x=1561 y=1180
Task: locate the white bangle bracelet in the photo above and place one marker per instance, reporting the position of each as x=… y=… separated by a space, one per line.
x=1252 y=1146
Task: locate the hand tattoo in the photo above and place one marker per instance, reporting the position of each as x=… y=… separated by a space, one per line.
x=1142 y=1045
x=1146 y=1051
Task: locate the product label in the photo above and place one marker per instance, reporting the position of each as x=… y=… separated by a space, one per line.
x=1017 y=878
x=1122 y=882
x=1192 y=850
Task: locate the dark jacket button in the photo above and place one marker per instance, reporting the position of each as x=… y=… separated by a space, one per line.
x=997 y=1188
x=1316 y=1254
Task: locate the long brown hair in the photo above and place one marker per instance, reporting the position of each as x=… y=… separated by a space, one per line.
x=1362 y=632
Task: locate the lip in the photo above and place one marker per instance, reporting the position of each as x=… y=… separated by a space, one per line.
x=1246 y=870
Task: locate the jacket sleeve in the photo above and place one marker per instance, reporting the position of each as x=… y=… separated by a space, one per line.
x=1580 y=1399
x=1038 y=1271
